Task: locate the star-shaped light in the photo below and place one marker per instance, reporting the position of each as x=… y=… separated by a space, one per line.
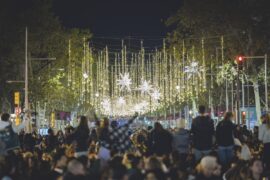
x=121 y=101
x=155 y=94
x=145 y=87
x=193 y=69
x=124 y=81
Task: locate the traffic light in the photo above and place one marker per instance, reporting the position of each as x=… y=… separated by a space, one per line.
x=240 y=62
x=240 y=59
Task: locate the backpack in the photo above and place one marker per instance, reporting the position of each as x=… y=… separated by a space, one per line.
x=8 y=139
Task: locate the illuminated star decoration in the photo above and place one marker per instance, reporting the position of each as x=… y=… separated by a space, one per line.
x=106 y=104
x=145 y=87
x=155 y=94
x=193 y=69
x=124 y=81
x=121 y=101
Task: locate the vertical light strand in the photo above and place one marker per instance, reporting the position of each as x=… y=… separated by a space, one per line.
x=204 y=67
x=69 y=63
x=226 y=81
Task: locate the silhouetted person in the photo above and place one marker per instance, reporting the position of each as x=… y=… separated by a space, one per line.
x=202 y=130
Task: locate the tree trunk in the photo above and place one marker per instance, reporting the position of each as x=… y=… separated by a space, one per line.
x=194 y=107
x=257 y=98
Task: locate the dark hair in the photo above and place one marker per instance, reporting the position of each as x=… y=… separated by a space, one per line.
x=83 y=122
x=114 y=124
x=228 y=115
x=253 y=160
x=50 y=131
x=201 y=109
x=5 y=117
x=158 y=126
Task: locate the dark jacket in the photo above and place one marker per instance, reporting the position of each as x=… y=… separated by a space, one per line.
x=81 y=137
x=161 y=142
x=181 y=141
x=224 y=133
x=202 y=130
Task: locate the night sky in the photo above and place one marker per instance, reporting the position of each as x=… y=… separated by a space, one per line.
x=112 y=20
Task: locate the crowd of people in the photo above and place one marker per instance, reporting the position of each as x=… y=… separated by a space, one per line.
x=113 y=152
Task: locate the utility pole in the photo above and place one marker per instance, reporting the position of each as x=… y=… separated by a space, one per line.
x=26 y=101
x=265 y=82
x=238 y=95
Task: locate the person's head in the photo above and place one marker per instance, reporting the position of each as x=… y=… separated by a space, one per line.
x=256 y=167
x=256 y=129
x=263 y=118
x=60 y=159
x=59 y=133
x=104 y=123
x=67 y=130
x=267 y=120
x=76 y=168
x=114 y=124
x=153 y=163
x=5 y=117
x=50 y=131
x=228 y=116
x=208 y=166
x=202 y=109
x=158 y=126
x=83 y=122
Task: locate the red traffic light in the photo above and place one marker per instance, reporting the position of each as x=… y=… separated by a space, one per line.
x=240 y=58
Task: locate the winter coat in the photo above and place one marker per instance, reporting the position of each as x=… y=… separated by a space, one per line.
x=202 y=130
x=224 y=133
x=181 y=141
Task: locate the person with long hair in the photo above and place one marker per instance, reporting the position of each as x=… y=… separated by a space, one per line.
x=81 y=137
x=264 y=136
x=225 y=139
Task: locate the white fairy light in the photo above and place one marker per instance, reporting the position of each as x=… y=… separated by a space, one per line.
x=145 y=87
x=144 y=104
x=124 y=81
x=106 y=104
x=137 y=108
x=155 y=94
x=121 y=101
x=85 y=75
